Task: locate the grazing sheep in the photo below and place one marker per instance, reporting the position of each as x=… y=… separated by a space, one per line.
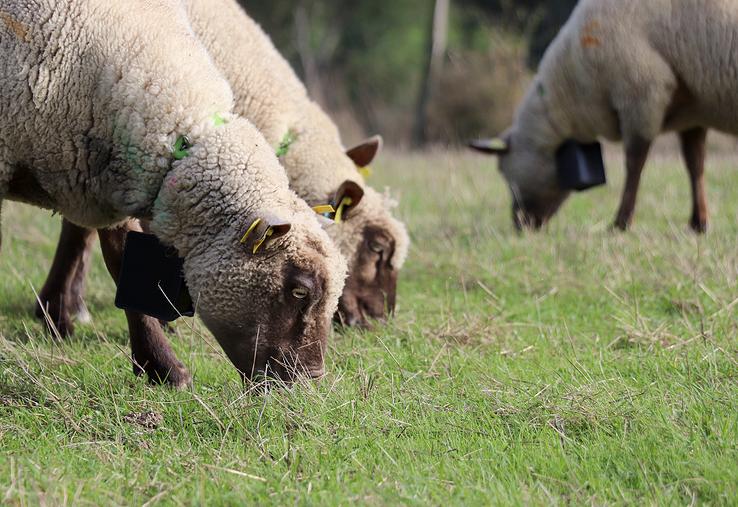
x=320 y=170
x=624 y=70
x=268 y=93
x=96 y=99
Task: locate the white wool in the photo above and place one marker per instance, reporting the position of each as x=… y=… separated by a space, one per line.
x=269 y=93
x=93 y=96
x=613 y=71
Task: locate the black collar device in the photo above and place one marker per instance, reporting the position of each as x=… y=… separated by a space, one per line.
x=151 y=279
x=580 y=166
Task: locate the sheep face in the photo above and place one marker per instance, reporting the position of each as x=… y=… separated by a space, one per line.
x=530 y=172
x=371 y=287
x=270 y=311
x=375 y=245
x=263 y=274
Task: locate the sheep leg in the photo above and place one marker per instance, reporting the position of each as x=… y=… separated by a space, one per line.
x=150 y=349
x=693 y=149
x=61 y=296
x=636 y=153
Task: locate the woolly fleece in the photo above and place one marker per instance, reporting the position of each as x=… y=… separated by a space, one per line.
x=613 y=72
x=92 y=100
x=269 y=93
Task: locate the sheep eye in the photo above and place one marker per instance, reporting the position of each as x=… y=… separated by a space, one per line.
x=376 y=247
x=299 y=292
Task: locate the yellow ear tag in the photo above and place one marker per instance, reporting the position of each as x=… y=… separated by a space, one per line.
x=366 y=172
x=497 y=144
x=322 y=209
x=258 y=244
x=250 y=230
x=346 y=201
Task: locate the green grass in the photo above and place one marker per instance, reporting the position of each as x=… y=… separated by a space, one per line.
x=571 y=366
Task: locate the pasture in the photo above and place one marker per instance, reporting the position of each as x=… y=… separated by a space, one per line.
x=575 y=365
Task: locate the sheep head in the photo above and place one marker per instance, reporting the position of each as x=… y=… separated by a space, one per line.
x=264 y=276
x=375 y=245
x=530 y=171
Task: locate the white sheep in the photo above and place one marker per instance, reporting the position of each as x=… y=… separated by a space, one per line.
x=624 y=70
x=269 y=93
x=96 y=99
x=320 y=170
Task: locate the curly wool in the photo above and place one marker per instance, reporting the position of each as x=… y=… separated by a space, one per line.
x=92 y=101
x=100 y=159
x=613 y=72
x=269 y=93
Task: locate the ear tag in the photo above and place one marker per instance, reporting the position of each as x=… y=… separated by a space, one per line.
x=151 y=280
x=346 y=201
x=250 y=230
x=366 y=172
x=263 y=238
x=324 y=210
x=580 y=166
x=497 y=144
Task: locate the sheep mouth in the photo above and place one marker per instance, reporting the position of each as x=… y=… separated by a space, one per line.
x=362 y=312
x=280 y=371
x=534 y=215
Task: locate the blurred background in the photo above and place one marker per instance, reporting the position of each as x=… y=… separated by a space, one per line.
x=420 y=72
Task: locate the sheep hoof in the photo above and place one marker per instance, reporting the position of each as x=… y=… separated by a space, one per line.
x=699 y=226
x=175 y=376
x=620 y=225
x=54 y=317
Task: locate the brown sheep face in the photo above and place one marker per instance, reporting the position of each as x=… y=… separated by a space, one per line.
x=271 y=311
x=371 y=287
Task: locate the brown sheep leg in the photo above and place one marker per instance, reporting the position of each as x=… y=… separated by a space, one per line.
x=636 y=153
x=693 y=149
x=150 y=349
x=61 y=295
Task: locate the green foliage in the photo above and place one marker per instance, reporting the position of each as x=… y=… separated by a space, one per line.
x=370 y=58
x=572 y=366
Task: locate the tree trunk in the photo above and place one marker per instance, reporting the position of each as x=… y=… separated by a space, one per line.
x=437 y=42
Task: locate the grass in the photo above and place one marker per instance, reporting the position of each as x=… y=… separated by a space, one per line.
x=571 y=366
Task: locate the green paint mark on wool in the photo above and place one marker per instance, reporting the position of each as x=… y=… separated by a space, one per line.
x=284 y=145
x=181 y=145
x=218 y=120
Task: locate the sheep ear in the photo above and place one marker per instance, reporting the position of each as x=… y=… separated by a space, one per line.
x=364 y=153
x=348 y=195
x=263 y=231
x=496 y=146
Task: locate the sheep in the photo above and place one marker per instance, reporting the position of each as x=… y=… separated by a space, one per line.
x=320 y=170
x=269 y=93
x=111 y=111
x=624 y=70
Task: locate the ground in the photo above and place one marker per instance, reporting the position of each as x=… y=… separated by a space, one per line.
x=574 y=365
